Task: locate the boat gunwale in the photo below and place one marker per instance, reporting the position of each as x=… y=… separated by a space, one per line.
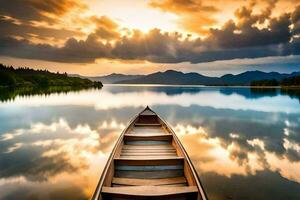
x=97 y=193
x=195 y=174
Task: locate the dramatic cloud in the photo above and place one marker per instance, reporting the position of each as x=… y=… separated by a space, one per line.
x=39 y=21
x=245 y=34
x=251 y=34
x=253 y=26
x=73 y=51
x=36 y=10
x=154 y=46
x=296 y=20
x=9 y=28
x=199 y=16
x=106 y=28
x=195 y=16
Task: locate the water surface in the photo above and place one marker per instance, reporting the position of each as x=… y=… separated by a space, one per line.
x=245 y=144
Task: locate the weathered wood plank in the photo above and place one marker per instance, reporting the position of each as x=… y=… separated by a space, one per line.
x=150 y=137
x=145 y=151
x=141 y=132
x=149 y=161
x=148 y=154
x=148 y=150
x=153 y=182
x=149 y=174
x=142 y=129
x=169 y=197
x=148 y=167
x=163 y=146
x=168 y=185
x=148 y=157
x=151 y=155
x=150 y=191
x=150 y=142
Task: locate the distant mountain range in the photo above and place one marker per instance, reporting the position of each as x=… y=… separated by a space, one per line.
x=172 y=77
x=113 y=78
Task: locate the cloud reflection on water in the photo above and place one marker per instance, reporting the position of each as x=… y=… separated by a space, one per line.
x=60 y=143
x=52 y=154
x=236 y=158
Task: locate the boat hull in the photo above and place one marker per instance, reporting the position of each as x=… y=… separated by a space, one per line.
x=149 y=162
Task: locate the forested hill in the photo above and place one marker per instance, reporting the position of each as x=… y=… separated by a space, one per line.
x=286 y=82
x=26 y=77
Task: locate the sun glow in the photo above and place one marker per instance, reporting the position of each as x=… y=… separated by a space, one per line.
x=139 y=16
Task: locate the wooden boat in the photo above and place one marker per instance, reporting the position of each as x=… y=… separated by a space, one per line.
x=149 y=162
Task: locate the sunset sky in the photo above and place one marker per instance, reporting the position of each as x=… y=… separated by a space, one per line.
x=96 y=37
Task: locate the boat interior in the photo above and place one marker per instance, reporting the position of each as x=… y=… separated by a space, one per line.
x=148 y=162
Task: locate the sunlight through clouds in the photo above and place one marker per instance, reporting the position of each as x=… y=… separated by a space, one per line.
x=73 y=36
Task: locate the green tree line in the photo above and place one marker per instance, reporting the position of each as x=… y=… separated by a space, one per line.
x=286 y=82
x=26 y=77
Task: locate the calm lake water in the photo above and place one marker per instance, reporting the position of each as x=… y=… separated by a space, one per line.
x=245 y=144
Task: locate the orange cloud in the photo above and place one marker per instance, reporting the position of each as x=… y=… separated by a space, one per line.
x=45 y=22
x=195 y=15
x=252 y=33
x=36 y=10
x=199 y=16
x=106 y=28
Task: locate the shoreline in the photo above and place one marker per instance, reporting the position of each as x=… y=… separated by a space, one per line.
x=203 y=86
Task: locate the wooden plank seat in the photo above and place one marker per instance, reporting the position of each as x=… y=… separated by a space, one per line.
x=148 y=191
x=146 y=130
x=148 y=137
x=148 y=150
x=150 y=182
x=147 y=161
x=164 y=146
x=148 y=153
